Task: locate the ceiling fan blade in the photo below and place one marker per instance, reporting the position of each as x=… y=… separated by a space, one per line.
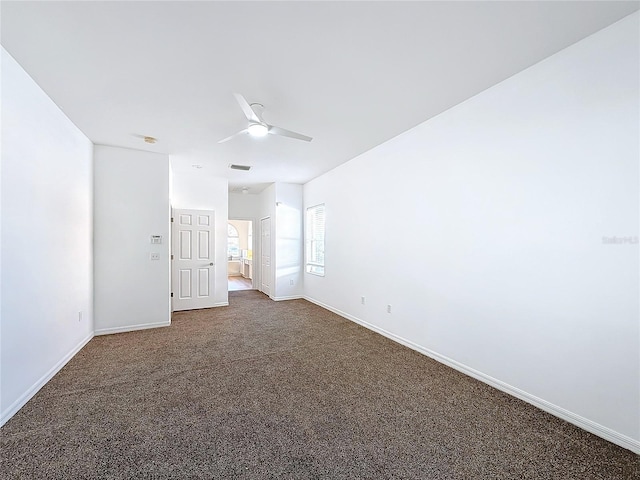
x=288 y=133
x=232 y=136
x=246 y=108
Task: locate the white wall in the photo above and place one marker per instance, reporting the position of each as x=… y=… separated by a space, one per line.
x=201 y=192
x=46 y=239
x=483 y=228
x=288 y=241
x=131 y=201
x=243 y=206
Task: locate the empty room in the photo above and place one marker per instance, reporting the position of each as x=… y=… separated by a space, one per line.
x=320 y=239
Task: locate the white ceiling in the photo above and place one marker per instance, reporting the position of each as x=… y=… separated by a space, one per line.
x=350 y=74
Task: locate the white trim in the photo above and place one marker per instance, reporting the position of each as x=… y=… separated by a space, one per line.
x=131 y=328
x=290 y=297
x=24 y=398
x=582 y=422
x=221 y=304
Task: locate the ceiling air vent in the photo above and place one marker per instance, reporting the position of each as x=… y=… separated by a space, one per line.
x=240 y=167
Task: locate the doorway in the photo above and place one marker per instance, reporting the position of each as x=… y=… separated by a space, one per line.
x=240 y=254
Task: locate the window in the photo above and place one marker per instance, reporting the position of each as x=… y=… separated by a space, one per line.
x=233 y=242
x=315 y=240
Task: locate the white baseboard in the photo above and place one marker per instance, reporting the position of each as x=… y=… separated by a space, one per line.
x=221 y=304
x=28 y=395
x=582 y=422
x=290 y=297
x=130 y=328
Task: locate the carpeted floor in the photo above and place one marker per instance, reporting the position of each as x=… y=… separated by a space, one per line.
x=266 y=389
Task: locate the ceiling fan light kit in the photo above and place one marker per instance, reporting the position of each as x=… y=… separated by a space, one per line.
x=258 y=130
x=258 y=127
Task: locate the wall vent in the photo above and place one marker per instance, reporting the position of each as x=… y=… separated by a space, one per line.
x=239 y=167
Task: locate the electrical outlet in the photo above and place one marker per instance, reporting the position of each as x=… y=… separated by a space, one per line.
x=388 y=308
x=362 y=300
x=79 y=316
x=290 y=282
x=154 y=256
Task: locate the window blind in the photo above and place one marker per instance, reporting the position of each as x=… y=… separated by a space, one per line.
x=315 y=240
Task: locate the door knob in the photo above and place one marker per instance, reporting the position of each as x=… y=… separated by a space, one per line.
x=211 y=264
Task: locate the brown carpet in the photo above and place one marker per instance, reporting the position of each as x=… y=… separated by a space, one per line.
x=285 y=390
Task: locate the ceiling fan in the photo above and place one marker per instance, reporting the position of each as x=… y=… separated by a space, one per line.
x=257 y=126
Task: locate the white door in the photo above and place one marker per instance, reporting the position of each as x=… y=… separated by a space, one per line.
x=265 y=253
x=193 y=259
